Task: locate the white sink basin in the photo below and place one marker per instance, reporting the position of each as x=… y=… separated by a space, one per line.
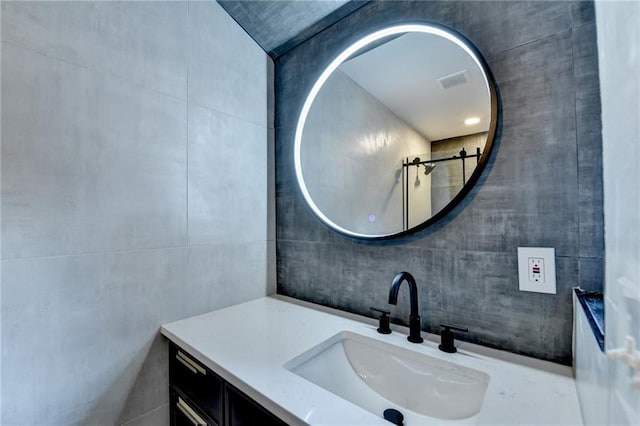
x=376 y=376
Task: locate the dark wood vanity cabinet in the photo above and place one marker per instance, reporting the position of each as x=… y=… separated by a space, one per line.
x=195 y=385
x=243 y=411
x=199 y=397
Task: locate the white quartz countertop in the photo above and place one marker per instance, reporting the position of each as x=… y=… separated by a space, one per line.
x=248 y=344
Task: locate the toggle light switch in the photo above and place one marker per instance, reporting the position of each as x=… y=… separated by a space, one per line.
x=537 y=269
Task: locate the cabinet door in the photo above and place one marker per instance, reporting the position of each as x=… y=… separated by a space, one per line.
x=243 y=411
x=183 y=412
x=198 y=383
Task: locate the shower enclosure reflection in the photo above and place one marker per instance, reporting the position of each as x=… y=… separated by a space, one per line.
x=444 y=184
x=379 y=151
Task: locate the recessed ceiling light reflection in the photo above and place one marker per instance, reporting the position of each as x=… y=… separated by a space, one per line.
x=471 y=121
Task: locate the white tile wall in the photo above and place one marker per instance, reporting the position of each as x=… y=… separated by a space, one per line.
x=67 y=31
x=216 y=281
x=219 y=78
x=131 y=45
x=227 y=178
x=619 y=59
x=91 y=162
x=121 y=210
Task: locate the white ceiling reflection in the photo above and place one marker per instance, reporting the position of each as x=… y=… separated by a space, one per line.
x=403 y=74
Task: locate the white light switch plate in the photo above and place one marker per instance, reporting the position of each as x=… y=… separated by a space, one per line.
x=537 y=269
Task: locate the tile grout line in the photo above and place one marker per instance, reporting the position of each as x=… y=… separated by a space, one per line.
x=495 y=55
x=208 y=108
x=134 y=83
x=187 y=138
x=577 y=152
x=94 y=70
x=410 y=247
x=130 y=421
x=94 y=253
x=130 y=250
x=185 y=285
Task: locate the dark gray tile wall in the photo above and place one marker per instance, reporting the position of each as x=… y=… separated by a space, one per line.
x=542 y=186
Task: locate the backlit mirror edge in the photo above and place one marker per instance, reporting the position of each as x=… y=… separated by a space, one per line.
x=424 y=27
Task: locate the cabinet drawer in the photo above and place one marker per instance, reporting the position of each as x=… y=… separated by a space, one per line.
x=185 y=413
x=197 y=382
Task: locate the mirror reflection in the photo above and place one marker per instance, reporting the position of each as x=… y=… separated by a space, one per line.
x=394 y=132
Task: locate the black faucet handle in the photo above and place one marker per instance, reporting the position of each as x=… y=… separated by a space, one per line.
x=447 y=337
x=383 y=328
x=454 y=327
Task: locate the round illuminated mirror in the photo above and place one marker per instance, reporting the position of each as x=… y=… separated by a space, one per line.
x=395 y=131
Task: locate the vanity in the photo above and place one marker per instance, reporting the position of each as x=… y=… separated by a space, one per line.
x=253 y=356
x=198 y=396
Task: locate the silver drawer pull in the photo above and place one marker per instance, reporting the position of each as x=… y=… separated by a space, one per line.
x=190 y=414
x=190 y=364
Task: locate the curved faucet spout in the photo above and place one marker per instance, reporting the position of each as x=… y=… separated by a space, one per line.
x=413 y=291
x=414 y=318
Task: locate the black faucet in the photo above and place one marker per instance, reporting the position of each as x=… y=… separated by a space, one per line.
x=414 y=318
